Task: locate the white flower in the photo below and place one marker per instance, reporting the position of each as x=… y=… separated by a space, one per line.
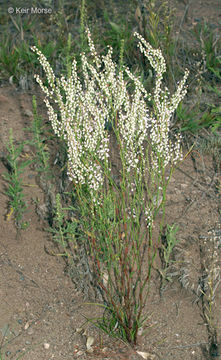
x=85 y=106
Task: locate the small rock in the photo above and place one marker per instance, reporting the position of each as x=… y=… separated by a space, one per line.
x=146 y=355
x=26 y=325
x=46 y=346
x=79 y=330
x=90 y=341
x=19 y=321
x=27 y=342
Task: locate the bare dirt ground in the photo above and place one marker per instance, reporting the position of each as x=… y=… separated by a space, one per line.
x=40 y=307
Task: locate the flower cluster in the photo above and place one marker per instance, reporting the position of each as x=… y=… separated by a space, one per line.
x=164 y=106
x=85 y=106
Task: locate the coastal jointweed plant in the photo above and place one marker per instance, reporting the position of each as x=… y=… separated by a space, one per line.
x=17 y=204
x=85 y=107
x=117 y=210
x=169 y=241
x=58 y=229
x=63 y=232
x=42 y=155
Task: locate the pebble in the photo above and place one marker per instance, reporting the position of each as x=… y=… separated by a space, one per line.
x=26 y=325
x=46 y=346
x=90 y=341
x=146 y=355
x=79 y=330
